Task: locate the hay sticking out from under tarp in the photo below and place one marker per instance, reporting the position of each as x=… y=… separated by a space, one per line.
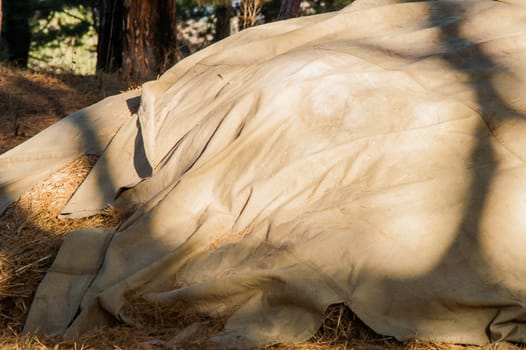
x=31 y=235
x=174 y=324
x=340 y=324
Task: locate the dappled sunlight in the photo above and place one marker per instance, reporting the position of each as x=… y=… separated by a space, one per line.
x=502 y=238
x=381 y=180
x=31 y=235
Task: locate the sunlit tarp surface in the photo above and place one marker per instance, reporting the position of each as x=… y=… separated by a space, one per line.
x=374 y=156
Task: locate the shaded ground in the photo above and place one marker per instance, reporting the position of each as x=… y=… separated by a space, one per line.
x=30 y=234
x=29 y=102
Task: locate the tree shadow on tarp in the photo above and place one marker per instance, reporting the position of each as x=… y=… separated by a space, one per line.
x=441 y=283
x=468 y=58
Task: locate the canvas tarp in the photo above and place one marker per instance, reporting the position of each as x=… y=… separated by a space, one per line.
x=373 y=156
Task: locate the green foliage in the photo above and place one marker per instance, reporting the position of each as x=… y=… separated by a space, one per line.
x=60 y=26
x=64 y=32
x=64 y=36
x=183 y=4
x=321 y=6
x=270 y=8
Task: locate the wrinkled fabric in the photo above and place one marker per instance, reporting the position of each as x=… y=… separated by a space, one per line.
x=87 y=131
x=372 y=156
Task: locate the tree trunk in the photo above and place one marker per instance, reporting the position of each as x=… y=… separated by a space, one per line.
x=17 y=33
x=149 y=40
x=141 y=53
x=138 y=36
x=289 y=9
x=1 y=13
x=223 y=22
x=168 y=27
x=111 y=31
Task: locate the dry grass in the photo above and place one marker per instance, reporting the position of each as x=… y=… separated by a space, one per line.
x=30 y=235
x=32 y=101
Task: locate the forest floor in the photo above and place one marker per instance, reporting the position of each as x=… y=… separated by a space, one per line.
x=30 y=233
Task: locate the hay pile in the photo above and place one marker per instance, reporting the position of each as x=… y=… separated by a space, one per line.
x=30 y=235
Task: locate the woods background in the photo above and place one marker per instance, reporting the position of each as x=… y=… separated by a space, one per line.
x=139 y=39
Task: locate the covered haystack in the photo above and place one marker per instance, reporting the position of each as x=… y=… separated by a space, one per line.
x=372 y=158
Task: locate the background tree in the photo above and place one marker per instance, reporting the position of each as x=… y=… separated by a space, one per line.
x=289 y=9
x=320 y=6
x=64 y=36
x=16 y=32
x=1 y=13
x=111 y=33
x=223 y=13
x=137 y=36
x=34 y=24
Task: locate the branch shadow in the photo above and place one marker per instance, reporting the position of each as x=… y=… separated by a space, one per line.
x=468 y=58
x=447 y=289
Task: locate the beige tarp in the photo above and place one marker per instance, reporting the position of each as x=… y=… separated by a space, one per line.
x=374 y=156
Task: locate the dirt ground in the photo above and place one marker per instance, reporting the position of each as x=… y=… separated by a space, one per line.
x=30 y=233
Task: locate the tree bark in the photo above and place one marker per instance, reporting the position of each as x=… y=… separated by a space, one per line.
x=111 y=33
x=168 y=28
x=149 y=41
x=17 y=33
x=289 y=9
x=138 y=36
x=141 y=53
x=222 y=28
x=1 y=15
